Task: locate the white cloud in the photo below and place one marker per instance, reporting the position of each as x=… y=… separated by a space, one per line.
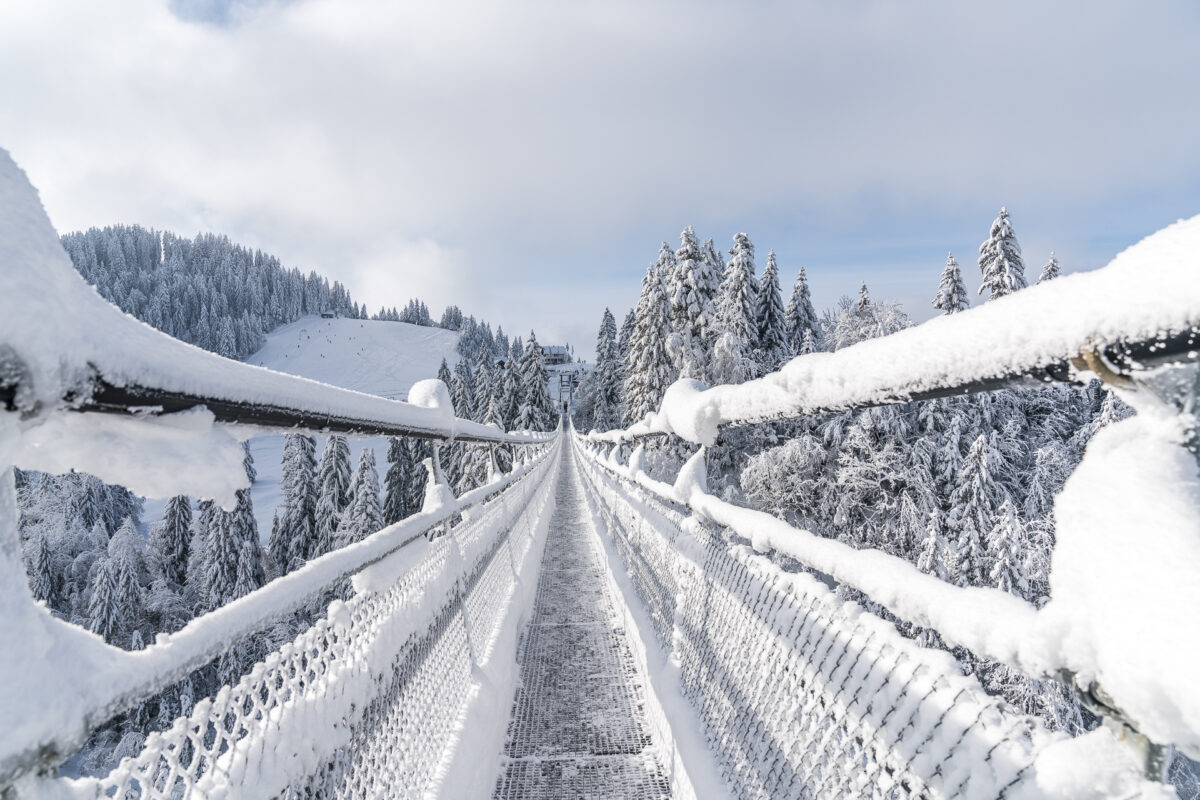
x=449 y=145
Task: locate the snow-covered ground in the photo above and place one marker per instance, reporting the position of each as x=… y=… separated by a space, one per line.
x=381 y=358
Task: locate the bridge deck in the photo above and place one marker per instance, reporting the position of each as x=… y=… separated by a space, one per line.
x=578 y=728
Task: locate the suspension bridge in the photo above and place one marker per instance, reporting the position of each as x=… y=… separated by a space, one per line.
x=576 y=628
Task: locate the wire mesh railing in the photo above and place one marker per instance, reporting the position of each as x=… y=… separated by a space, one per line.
x=802 y=694
x=365 y=702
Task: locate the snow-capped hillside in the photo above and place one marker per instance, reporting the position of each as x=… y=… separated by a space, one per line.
x=383 y=358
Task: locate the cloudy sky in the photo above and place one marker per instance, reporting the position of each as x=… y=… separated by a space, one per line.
x=524 y=158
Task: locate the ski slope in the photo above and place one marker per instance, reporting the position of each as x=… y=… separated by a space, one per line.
x=381 y=358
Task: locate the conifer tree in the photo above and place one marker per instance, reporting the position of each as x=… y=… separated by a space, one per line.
x=607 y=377
x=952 y=292
x=1051 y=270
x=41 y=575
x=932 y=556
x=737 y=317
x=297 y=526
x=1000 y=259
x=772 y=344
x=800 y=317
x=418 y=451
x=223 y=546
x=974 y=505
x=510 y=394
x=485 y=382
x=172 y=539
x=713 y=254
x=104 y=614
x=396 y=481
x=1007 y=547
x=649 y=368
x=333 y=479
x=537 y=410
x=443 y=373
x=462 y=390
x=364 y=515
x=806 y=344
x=694 y=287
x=244 y=528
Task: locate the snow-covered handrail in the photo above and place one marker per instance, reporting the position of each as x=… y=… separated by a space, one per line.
x=1118 y=624
x=1139 y=312
x=989 y=622
x=110 y=680
x=153 y=404
x=64 y=346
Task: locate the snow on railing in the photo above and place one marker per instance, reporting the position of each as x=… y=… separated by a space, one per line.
x=803 y=694
x=1139 y=312
x=84 y=386
x=1119 y=624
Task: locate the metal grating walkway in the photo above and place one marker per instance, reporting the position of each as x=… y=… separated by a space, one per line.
x=578 y=728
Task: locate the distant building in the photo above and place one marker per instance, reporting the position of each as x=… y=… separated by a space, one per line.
x=555 y=354
x=328 y=314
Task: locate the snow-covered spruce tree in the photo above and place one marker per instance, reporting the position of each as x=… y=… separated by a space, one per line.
x=800 y=318
x=443 y=374
x=1000 y=259
x=974 y=508
x=732 y=357
x=195 y=592
x=870 y=463
x=1007 y=547
x=932 y=557
x=364 y=515
x=171 y=540
x=952 y=292
x=295 y=540
x=1051 y=270
x=462 y=390
x=333 y=482
x=713 y=254
x=245 y=528
x=104 y=613
x=462 y=395
x=607 y=390
x=649 y=368
x=694 y=288
x=129 y=574
x=510 y=391
x=92 y=502
x=40 y=571
x=223 y=546
x=485 y=381
x=537 y=409
x=396 y=482
x=772 y=336
x=418 y=451
x=862 y=307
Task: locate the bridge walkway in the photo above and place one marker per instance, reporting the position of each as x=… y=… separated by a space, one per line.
x=578 y=727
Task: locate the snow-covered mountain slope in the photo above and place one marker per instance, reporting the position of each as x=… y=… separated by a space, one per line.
x=382 y=358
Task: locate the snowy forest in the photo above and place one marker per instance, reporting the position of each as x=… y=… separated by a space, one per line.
x=961 y=487
x=87 y=553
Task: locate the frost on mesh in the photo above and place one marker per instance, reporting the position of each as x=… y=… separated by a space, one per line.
x=368 y=701
x=802 y=694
